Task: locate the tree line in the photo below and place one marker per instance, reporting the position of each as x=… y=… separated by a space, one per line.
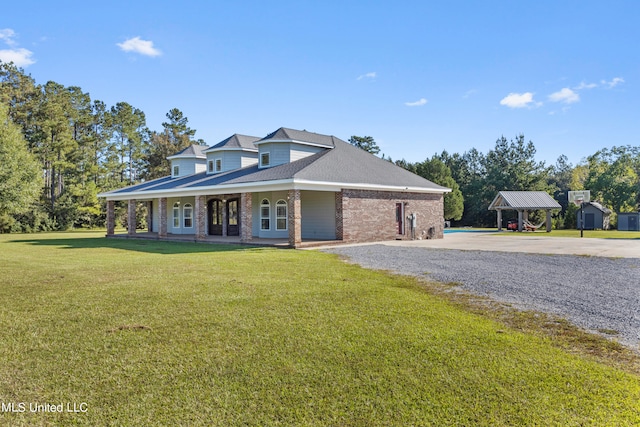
x=69 y=148
x=59 y=149
x=611 y=174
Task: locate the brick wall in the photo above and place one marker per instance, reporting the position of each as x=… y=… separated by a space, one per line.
x=246 y=217
x=371 y=215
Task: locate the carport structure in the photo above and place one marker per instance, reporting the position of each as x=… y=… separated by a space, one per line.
x=523 y=202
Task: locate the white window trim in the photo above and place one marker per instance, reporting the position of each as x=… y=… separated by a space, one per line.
x=262 y=217
x=176 y=170
x=217 y=169
x=210 y=166
x=268 y=154
x=176 y=208
x=185 y=217
x=286 y=215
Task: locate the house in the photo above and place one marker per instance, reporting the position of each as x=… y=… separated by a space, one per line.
x=595 y=216
x=629 y=221
x=291 y=185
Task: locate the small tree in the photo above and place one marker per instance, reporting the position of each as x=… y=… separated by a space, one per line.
x=435 y=170
x=19 y=183
x=366 y=143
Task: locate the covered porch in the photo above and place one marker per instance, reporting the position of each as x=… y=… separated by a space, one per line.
x=271 y=219
x=523 y=202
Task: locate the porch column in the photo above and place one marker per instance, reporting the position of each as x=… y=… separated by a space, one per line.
x=150 y=216
x=548 y=220
x=519 y=220
x=224 y=215
x=246 y=217
x=339 y=222
x=111 y=217
x=131 y=219
x=201 y=217
x=499 y=219
x=295 y=218
x=162 y=216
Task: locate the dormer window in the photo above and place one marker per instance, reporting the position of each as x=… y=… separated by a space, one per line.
x=218 y=165
x=210 y=166
x=176 y=171
x=265 y=159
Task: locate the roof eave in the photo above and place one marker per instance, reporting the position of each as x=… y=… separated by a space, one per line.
x=274 y=185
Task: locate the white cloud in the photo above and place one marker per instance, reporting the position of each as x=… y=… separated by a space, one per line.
x=468 y=93
x=137 y=45
x=19 y=57
x=584 y=85
x=420 y=102
x=519 y=100
x=613 y=83
x=370 y=76
x=7 y=36
x=564 y=95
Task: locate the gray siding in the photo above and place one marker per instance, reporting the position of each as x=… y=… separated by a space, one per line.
x=189 y=166
x=318 y=215
x=232 y=160
x=301 y=151
x=181 y=229
x=629 y=221
x=273 y=198
x=155 y=215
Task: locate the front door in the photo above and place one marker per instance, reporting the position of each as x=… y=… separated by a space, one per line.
x=214 y=207
x=589 y=221
x=233 y=218
x=399 y=218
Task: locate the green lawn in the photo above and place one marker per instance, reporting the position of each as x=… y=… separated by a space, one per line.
x=599 y=234
x=160 y=333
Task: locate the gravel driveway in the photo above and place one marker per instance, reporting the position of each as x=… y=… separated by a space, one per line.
x=592 y=292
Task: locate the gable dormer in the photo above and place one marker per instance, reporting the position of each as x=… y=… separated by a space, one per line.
x=288 y=145
x=235 y=152
x=188 y=161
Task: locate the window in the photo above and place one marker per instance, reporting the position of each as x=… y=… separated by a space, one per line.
x=264 y=159
x=281 y=215
x=210 y=166
x=218 y=165
x=176 y=170
x=232 y=212
x=176 y=215
x=265 y=208
x=188 y=215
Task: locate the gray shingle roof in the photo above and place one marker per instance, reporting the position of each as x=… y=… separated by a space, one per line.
x=236 y=141
x=191 y=151
x=286 y=134
x=598 y=206
x=523 y=200
x=342 y=164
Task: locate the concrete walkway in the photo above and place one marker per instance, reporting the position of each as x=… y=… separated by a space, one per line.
x=529 y=243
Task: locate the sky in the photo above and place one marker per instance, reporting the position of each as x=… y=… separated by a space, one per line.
x=420 y=77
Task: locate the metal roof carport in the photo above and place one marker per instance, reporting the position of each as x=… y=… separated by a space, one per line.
x=523 y=202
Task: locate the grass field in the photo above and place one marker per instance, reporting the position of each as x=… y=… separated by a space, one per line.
x=597 y=234
x=132 y=332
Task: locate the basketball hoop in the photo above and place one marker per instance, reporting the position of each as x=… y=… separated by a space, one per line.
x=579 y=197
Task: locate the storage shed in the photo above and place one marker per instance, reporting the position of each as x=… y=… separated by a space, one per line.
x=596 y=216
x=628 y=221
x=523 y=202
